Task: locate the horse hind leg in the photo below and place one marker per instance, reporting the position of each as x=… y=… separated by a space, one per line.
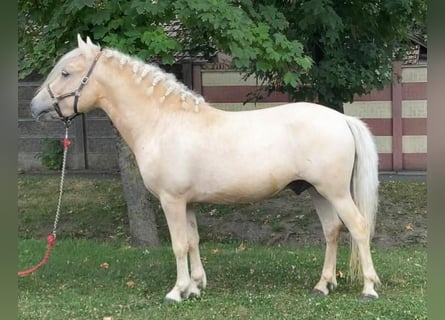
x=331 y=225
x=197 y=273
x=360 y=234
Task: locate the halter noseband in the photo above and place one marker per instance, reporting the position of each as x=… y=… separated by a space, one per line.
x=75 y=93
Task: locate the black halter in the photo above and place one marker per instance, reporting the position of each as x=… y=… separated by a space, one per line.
x=75 y=93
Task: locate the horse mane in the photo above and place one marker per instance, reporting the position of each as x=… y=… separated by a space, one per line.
x=142 y=71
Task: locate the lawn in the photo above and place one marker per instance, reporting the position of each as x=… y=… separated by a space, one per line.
x=85 y=279
x=94 y=274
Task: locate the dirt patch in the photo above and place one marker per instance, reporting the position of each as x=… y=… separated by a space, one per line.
x=291 y=220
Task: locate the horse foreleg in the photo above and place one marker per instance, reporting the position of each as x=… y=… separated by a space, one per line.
x=175 y=213
x=331 y=225
x=198 y=276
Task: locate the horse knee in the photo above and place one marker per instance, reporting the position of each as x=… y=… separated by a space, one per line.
x=197 y=274
x=332 y=234
x=180 y=249
x=193 y=241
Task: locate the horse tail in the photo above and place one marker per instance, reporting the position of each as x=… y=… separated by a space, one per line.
x=364 y=184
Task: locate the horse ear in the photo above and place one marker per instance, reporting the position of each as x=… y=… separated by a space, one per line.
x=85 y=47
x=91 y=44
x=80 y=43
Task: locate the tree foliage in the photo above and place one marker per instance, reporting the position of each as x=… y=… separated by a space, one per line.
x=160 y=30
x=352 y=43
x=313 y=49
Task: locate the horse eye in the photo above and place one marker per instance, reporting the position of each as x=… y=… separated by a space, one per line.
x=65 y=73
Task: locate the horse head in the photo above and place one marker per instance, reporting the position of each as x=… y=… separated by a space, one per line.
x=70 y=88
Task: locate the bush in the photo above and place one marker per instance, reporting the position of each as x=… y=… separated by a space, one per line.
x=52 y=154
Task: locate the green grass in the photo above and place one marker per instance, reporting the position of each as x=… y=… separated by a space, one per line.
x=256 y=283
x=92 y=208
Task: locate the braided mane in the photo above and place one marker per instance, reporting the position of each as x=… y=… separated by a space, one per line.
x=151 y=76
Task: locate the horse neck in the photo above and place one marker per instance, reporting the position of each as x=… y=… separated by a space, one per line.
x=141 y=98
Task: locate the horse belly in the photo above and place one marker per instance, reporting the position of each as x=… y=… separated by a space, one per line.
x=243 y=184
x=247 y=164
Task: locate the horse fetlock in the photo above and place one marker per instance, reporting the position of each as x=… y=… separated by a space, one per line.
x=371 y=281
x=199 y=278
x=192 y=291
x=331 y=286
x=203 y=282
x=369 y=292
x=326 y=284
x=178 y=292
x=377 y=281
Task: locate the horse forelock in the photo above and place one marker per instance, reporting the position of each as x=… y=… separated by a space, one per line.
x=142 y=71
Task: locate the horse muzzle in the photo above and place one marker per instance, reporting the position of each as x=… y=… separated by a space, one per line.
x=41 y=110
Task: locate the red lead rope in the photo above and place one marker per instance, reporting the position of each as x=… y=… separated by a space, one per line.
x=51 y=242
x=52 y=237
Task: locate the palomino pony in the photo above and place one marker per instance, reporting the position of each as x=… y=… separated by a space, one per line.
x=189 y=152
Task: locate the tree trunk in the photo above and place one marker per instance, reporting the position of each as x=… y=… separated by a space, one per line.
x=141 y=216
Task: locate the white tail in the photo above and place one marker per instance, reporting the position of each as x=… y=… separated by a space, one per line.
x=364 y=185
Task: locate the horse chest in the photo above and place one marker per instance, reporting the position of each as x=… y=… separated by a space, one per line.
x=162 y=174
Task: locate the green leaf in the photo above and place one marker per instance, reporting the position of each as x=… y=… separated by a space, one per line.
x=291 y=79
x=263 y=66
x=76 y=5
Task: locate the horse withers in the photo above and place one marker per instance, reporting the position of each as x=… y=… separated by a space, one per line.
x=189 y=152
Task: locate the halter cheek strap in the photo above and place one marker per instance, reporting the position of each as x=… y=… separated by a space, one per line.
x=76 y=93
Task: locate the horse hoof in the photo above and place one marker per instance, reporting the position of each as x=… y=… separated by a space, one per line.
x=194 y=295
x=368 y=297
x=170 y=301
x=318 y=293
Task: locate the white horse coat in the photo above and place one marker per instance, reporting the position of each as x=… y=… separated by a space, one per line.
x=189 y=152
